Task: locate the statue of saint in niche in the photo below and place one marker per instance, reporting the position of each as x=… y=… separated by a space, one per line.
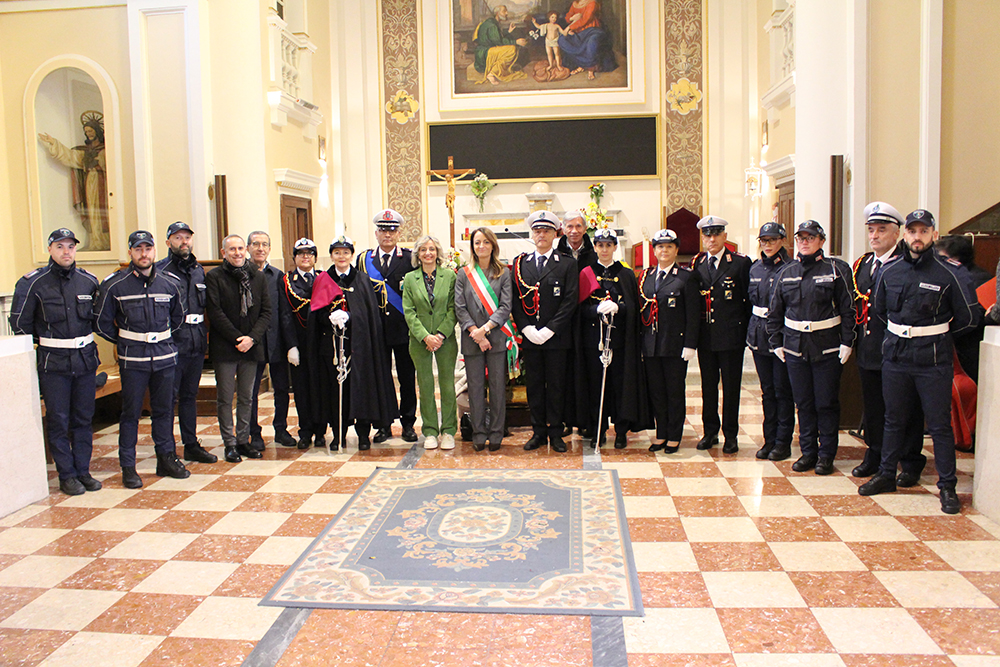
x=89 y=179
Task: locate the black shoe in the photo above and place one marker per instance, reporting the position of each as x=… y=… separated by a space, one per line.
x=950 y=504
x=409 y=435
x=479 y=446
x=534 y=442
x=130 y=478
x=658 y=446
x=780 y=453
x=730 y=447
x=284 y=438
x=246 y=451
x=198 y=453
x=824 y=467
x=667 y=449
x=869 y=466
x=494 y=446
x=171 y=466
x=382 y=435
x=305 y=442
x=877 y=484
x=621 y=440
x=557 y=444
x=364 y=444
x=320 y=441
x=465 y=426
x=907 y=479
x=708 y=441
x=805 y=462
x=763 y=452
x=90 y=483
x=231 y=455
x=71 y=486
x=257 y=442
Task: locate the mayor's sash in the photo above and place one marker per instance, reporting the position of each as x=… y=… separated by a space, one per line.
x=388 y=294
x=487 y=297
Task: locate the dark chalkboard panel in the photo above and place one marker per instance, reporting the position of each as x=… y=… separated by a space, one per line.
x=541 y=149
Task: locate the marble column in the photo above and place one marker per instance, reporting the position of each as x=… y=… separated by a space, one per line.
x=22 y=449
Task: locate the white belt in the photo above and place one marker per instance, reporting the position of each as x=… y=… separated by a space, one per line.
x=904 y=331
x=819 y=325
x=194 y=319
x=760 y=311
x=67 y=343
x=151 y=337
x=159 y=358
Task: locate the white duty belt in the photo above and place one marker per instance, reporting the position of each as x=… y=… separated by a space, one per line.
x=194 y=319
x=760 y=311
x=67 y=343
x=150 y=337
x=818 y=325
x=906 y=331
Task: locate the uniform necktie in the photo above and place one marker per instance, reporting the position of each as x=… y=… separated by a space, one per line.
x=711 y=266
x=659 y=279
x=541 y=263
x=385 y=263
x=309 y=278
x=876 y=267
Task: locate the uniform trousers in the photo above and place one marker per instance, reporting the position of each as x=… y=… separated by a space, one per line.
x=161 y=407
x=612 y=391
x=280 y=386
x=906 y=385
x=187 y=378
x=238 y=377
x=69 y=416
x=727 y=364
x=911 y=459
x=405 y=374
x=303 y=402
x=776 y=398
x=665 y=377
x=342 y=402
x=476 y=367
x=816 y=390
x=544 y=381
x=424 y=362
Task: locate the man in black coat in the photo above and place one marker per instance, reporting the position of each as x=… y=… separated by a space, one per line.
x=545 y=288
x=576 y=243
x=386 y=266
x=239 y=313
x=724 y=277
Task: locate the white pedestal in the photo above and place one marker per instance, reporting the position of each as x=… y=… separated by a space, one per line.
x=22 y=447
x=987 y=480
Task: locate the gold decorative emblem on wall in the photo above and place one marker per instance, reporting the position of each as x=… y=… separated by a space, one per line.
x=402 y=107
x=684 y=96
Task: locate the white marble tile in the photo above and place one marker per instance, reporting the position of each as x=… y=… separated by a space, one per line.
x=664 y=557
x=752 y=589
x=248 y=523
x=626 y=469
x=816 y=557
x=122 y=520
x=721 y=529
x=151 y=546
x=22 y=514
x=975 y=660
x=213 y=501
x=869 y=529
x=28 y=540
x=280 y=550
x=293 y=484
x=777 y=506
x=675 y=631
x=62 y=609
x=824 y=486
x=228 y=618
x=637 y=507
x=114 y=650
x=180 y=577
x=749 y=468
x=933 y=589
x=699 y=486
x=195 y=482
x=964 y=556
x=323 y=503
x=42 y=571
x=909 y=504
x=103 y=498
x=885 y=631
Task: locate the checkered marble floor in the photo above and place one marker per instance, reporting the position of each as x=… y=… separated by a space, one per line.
x=740 y=562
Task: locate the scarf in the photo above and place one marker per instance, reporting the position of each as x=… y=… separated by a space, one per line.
x=242 y=273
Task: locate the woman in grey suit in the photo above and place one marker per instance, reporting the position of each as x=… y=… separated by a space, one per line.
x=482 y=306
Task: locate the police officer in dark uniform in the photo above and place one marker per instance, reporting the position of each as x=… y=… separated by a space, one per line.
x=191 y=339
x=385 y=266
x=810 y=322
x=922 y=303
x=545 y=291
x=294 y=298
x=140 y=309
x=776 y=390
x=670 y=317
x=724 y=277
x=55 y=305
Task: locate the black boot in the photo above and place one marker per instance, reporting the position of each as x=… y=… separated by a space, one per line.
x=199 y=454
x=780 y=452
x=950 y=504
x=232 y=456
x=169 y=465
x=284 y=438
x=130 y=478
x=248 y=452
x=764 y=451
x=89 y=483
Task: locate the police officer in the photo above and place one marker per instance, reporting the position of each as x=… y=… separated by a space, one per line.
x=191 y=339
x=724 y=278
x=140 y=309
x=922 y=304
x=776 y=390
x=385 y=266
x=883 y=223
x=670 y=317
x=294 y=298
x=545 y=291
x=55 y=305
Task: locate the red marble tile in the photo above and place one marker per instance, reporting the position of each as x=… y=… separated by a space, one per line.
x=688 y=506
x=250 y=580
x=221 y=548
x=661 y=529
x=145 y=614
x=795 y=529
x=644 y=487
x=845 y=505
x=429 y=630
x=317 y=468
x=762 y=486
x=111 y=574
x=935 y=528
x=6 y=560
x=185 y=652
x=690 y=470
x=84 y=543
x=773 y=630
x=842 y=589
x=151 y=499
x=12 y=598
x=522 y=631
x=523 y=657
x=673 y=589
x=179 y=521
x=273 y=502
x=881 y=660
x=61 y=517
x=303 y=525
x=987 y=582
x=341 y=485
x=734 y=557
x=27 y=648
x=441 y=656
x=962 y=631
x=902 y=556
x=346 y=638
x=680 y=660
x=238 y=483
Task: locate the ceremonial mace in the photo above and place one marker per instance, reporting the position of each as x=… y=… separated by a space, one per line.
x=342 y=362
x=607 y=324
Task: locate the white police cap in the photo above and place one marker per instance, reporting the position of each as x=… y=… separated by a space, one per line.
x=543 y=220
x=712 y=224
x=664 y=236
x=388 y=219
x=878 y=212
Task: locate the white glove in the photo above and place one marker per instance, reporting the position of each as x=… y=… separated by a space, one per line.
x=293 y=356
x=338 y=318
x=531 y=333
x=544 y=334
x=780 y=353
x=845 y=353
x=607 y=307
x=687 y=354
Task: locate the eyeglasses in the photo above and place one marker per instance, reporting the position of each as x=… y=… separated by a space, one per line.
x=260 y=244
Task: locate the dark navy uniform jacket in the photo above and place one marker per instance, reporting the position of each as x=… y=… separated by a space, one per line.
x=274 y=347
x=557 y=289
x=57 y=303
x=140 y=306
x=294 y=302
x=192 y=338
x=921 y=292
x=763 y=273
x=617 y=284
x=678 y=312
x=870 y=330
x=725 y=308
x=393 y=323
x=812 y=289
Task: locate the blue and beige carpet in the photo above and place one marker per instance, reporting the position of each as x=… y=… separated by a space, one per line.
x=506 y=541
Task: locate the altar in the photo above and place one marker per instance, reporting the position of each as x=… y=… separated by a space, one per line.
x=515 y=237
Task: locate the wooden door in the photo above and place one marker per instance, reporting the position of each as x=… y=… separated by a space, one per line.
x=786 y=213
x=296 y=223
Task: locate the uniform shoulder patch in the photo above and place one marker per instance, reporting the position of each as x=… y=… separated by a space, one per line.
x=954 y=262
x=31 y=274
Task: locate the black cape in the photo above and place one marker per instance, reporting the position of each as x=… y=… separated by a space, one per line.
x=577 y=406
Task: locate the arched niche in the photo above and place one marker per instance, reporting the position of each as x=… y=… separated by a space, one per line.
x=74 y=180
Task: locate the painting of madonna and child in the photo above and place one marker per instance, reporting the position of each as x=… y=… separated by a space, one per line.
x=538 y=45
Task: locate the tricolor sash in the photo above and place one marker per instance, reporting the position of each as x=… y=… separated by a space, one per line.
x=490 y=301
x=391 y=295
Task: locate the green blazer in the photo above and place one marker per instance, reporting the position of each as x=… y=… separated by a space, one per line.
x=420 y=317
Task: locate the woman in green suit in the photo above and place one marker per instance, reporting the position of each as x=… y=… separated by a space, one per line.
x=429 y=309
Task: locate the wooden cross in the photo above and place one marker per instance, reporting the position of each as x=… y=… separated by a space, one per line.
x=449 y=176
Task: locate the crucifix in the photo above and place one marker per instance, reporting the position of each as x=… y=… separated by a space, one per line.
x=449 y=176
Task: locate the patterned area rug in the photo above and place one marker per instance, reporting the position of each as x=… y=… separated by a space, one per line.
x=505 y=541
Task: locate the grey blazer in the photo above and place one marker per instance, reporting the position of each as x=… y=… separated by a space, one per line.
x=470 y=312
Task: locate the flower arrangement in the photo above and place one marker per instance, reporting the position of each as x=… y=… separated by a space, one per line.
x=480 y=185
x=595 y=216
x=596 y=192
x=453 y=259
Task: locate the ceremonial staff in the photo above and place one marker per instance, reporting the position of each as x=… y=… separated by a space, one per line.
x=607 y=324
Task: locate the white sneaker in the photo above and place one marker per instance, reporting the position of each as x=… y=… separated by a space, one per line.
x=430 y=442
x=447 y=441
